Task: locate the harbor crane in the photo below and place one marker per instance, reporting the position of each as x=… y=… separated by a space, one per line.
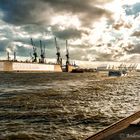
x=8 y=56
x=34 y=51
x=67 y=54
x=15 y=56
x=42 y=60
x=44 y=51
x=59 y=59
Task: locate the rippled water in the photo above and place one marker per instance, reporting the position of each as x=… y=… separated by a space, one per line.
x=64 y=106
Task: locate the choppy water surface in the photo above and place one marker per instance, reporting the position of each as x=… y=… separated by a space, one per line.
x=64 y=106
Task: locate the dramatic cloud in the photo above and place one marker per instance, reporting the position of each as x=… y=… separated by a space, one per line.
x=136 y=33
x=41 y=11
x=133 y=49
x=24 y=12
x=69 y=33
x=122 y=24
x=95 y=29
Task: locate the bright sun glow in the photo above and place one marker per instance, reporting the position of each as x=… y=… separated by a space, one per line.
x=98 y=31
x=116 y=8
x=66 y=21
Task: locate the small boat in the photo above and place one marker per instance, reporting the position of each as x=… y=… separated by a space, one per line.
x=117 y=73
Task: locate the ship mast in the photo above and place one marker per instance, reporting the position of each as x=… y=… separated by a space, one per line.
x=59 y=59
x=34 y=51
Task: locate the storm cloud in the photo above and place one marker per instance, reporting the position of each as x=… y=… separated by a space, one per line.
x=40 y=11
x=68 y=33
x=136 y=33
x=24 y=12
x=94 y=31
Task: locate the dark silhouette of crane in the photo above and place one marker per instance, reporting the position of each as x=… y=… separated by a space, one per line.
x=67 y=57
x=44 y=51
x=15 y=56
x=34 y=51
x=42 y=60
x=59 y=59
x=67 y=54
x=8 y=56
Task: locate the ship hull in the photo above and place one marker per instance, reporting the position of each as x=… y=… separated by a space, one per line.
x=10 y=66
x=69 y=68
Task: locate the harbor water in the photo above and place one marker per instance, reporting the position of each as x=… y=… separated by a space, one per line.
x=64 y=106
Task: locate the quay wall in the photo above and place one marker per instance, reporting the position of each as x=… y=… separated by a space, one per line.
x=35 y=67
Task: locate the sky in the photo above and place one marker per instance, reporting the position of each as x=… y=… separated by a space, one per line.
x=96 y=30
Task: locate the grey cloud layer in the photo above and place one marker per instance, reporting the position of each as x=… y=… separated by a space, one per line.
x=22 y=12
x=136 y=33
x=133 y=49
x=68 y=33
x=40 y=11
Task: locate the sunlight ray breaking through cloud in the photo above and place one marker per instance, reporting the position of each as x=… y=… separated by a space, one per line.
x=107 y=27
